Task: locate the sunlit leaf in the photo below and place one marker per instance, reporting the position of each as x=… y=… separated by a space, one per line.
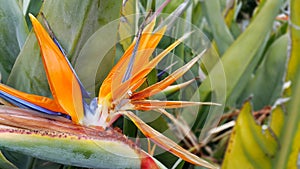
x=249 y=146
x=277 y=120
x=294 y=60
x=289 y=153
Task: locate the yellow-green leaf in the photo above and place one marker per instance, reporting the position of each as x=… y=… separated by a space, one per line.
x=294 y=61
x=229 y=12
x=277 y=120
x=249 y=146
x=289 y=140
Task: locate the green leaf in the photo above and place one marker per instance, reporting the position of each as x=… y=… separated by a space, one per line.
x=197 y=14
x=33 y=7
x=13 y=32
x=73 y=22
x=21 y=161
x=242 y=56
x=5 y=164
x=220 y=31
x=285 y=126
x=96 y=58
x=277 y=120
x=266 y=86
x=172 y=5
x=249 y=146
x=289 y=153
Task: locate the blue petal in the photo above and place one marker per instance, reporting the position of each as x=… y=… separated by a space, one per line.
x=92 y=107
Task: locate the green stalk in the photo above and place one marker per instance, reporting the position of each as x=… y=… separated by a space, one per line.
x=288 y=154
x=289 y=139
x=295 y=39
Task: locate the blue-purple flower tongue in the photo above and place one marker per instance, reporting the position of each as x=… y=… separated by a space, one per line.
x=27 y=105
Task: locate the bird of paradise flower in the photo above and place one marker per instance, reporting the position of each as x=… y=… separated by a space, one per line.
x=118 y=93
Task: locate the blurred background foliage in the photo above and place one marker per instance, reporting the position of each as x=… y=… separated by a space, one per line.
x=258 y=45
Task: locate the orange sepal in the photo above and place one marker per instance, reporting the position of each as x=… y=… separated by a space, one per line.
x=159 y=86
x=148 y=43
x=63 y=83
x=126 y=86
x=158 y=104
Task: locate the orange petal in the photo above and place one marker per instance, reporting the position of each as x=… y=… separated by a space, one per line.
x=157 y=104
x=126 y=86
x=35 y=99
x=159 y=86
x=106 y=85
x=165 y=142
x=148 y=43
x=63 y=83
x=142 y=58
